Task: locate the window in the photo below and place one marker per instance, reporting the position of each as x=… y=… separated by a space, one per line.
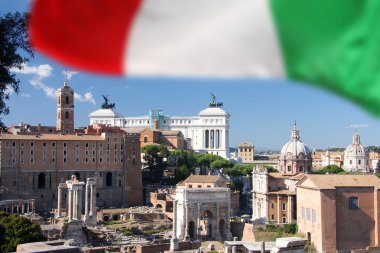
x=66 y=115
x=31 y=152
x=145 y=139
x=272 y=217
x=283 y=219
x=199 y=186
x=283 y=206
x=289 y=168
x=65 y=144
x=86 y=144
x=350 y=161
x=22 y=144
x=77 y=144
x=31 y=160
x=313 y=215
x=100 y=159
x=303 y=213
x=31 y=144
x=93 y=159
x=64 y=160
x=53 y=144
x=190 y=186
x=301 y=168
x=64 y=152
x=360 y=162
x=308 y=213
x=109 y=179
x=353 y=203
x=67 y=100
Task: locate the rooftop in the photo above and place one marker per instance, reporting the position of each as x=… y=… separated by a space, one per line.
x=336 y=181
x=67 y=137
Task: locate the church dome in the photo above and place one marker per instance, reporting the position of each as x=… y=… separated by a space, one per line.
x=295 y=146
x=356 y=148
x=355 y=156
x=295 y=156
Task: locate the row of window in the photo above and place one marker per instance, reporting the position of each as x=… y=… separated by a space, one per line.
x=212 y=138
x=65 y=144
x=305 y=214
x=77 y=160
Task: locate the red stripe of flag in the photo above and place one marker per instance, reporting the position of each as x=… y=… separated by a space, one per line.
x=88 y=34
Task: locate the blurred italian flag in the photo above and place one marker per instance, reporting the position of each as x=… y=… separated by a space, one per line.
x=334 y=44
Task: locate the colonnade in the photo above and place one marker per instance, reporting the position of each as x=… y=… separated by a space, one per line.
x=17 y=206
x=75 y=199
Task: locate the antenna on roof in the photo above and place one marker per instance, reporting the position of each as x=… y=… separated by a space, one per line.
x=65 y=83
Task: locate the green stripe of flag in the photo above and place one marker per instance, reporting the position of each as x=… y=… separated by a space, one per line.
x=334 y=44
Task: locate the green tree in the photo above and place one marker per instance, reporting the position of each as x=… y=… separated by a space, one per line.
x=154 y=156
x=221 y=164
x=14 y=40
x=19 y=230
x=329 y=169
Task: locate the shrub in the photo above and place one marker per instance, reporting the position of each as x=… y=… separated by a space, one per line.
x=290 y=228
x=271 y=228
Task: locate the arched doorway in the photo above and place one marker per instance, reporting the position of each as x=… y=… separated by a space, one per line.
x=192 y=230
x=222 y=230
x=207 y=224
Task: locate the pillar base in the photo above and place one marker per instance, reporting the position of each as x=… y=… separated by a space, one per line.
x=174 y=244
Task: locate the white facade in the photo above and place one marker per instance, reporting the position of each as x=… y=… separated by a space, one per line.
x=356 y=156
x=203 y=212
x=208 y=131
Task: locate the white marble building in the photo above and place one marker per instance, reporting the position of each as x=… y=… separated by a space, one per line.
x=356 y=156
x=203 y=212
x=208 y=132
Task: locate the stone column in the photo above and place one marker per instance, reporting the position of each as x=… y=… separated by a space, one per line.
x=199 y=222
x=186 y=237
x=278 y=209
x=86 y=201
x=217 y=232
x=12 y=209
x=28 y=207
x=174 y=240
x=70 y=204
x=80 y=197
x=93 y=201
x=59 y=206
x=23 y=208
x=290 y=209
x=73 y=204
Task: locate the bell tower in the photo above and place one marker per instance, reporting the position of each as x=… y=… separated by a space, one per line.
x=65 y=109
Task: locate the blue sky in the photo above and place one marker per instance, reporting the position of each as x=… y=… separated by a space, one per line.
x=262 y=111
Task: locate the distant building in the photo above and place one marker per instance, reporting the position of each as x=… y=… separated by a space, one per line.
x=339 y=213
x=274 y=194
x=34 y=160
x=321 y=159
x=246 y=152
x=356 y=156
x=208 y=132
x=295 y=156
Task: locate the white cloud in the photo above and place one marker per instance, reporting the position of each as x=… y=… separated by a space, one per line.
x=25 y=95
x=43 y=71
x=69 y=73
x=87 y=97
x=357 y=126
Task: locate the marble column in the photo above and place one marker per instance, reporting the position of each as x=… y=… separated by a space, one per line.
x=70 y=205
x=217 y=232
x=278 y=209
x=186 y=237
x=23 y=208
x=199 y=229
x=174 y=240
x=28 y=207
x=80 y=197
x=86 y=201
x=92 y=201
x=59 y=206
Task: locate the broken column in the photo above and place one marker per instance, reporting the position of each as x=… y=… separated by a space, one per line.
x=174 y=240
